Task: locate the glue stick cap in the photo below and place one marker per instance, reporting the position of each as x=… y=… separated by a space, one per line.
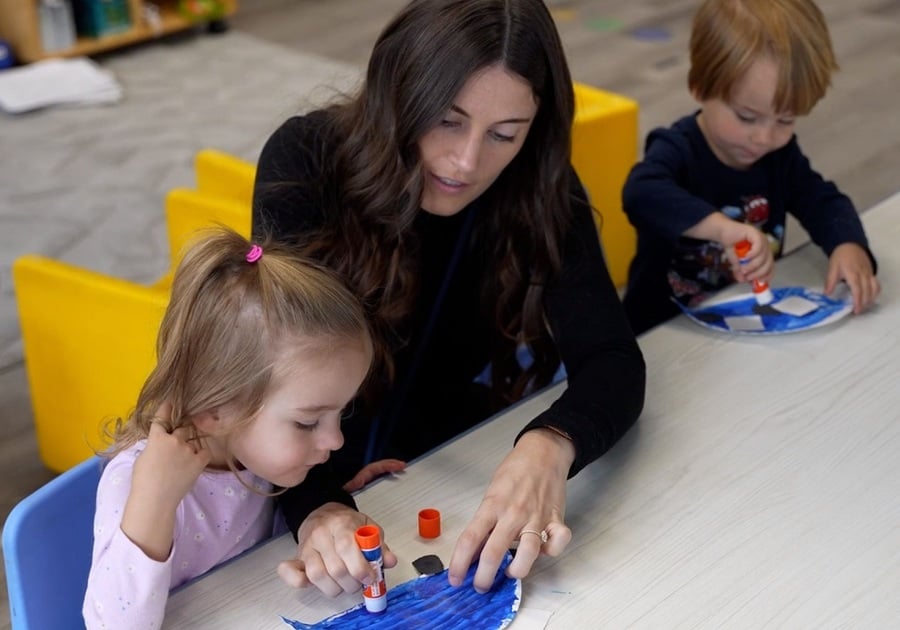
x=368 y=537
x=429 y=523
x=742 y=248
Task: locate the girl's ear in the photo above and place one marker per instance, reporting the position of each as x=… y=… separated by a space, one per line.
x=207 y=422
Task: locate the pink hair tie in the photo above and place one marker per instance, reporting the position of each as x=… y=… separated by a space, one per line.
x=254 y=254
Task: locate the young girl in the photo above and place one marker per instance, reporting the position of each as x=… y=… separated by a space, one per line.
x=259 y=351
x=443 y=192
x=732 y=170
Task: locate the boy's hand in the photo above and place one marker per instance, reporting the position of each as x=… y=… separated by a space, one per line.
x=759 y=262
x=850 y=262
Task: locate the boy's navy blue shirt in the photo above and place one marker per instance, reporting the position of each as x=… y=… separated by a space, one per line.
x=680 y=181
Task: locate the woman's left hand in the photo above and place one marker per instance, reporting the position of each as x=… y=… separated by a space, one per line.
x=526 y=496
x=371 y=472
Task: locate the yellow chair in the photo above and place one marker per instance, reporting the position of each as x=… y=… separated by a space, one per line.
x=89 y=344
x=225 y=176
x=89 y=339
x=604 y=148
x=188 y=211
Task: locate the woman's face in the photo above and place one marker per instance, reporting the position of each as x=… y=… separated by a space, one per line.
x=477 y=138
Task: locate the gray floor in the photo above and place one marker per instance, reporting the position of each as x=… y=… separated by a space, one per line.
x=635 y=48
x=638 y=48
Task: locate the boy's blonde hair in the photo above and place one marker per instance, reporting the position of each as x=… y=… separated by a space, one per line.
x=228 y=323
x=728 y=36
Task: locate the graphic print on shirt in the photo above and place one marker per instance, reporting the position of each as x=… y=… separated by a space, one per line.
x=699 y=268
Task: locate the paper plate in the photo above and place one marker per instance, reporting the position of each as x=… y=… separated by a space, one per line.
x=801 y=309
x=430 y=602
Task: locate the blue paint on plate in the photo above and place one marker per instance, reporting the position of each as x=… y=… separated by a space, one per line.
x=430 y=602
x=773 y=322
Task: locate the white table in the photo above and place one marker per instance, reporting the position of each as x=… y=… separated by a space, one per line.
x=760 y=488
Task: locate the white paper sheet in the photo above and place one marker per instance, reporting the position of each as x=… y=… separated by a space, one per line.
x=76 y=81
x=796 y=305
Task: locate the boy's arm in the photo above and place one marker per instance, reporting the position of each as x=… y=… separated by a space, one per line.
x=656 y=196
x=822 y=209
x=717 y=227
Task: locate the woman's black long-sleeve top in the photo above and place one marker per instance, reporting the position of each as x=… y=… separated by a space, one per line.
x=604 y=365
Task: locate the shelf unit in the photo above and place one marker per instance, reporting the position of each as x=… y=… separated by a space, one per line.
x=19 y=25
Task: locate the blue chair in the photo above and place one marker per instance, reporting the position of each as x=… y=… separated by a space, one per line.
x=47 y=543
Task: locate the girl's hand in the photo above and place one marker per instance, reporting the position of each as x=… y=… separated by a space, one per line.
x=169 y=466
x=163 y=474
x=327 y=554
x=850 y=262
x=528 y=492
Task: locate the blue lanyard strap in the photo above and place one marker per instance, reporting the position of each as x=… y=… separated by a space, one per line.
x=378 y=435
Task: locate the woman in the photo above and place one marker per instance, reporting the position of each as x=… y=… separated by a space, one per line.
x=444 y=195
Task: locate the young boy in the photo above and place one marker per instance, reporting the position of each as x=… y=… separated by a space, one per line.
x=732 y=170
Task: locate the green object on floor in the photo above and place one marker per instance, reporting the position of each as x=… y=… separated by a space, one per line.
x=605 y=25
x=201 y=10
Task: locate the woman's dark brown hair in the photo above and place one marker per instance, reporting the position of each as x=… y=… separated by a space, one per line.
x=419 y=64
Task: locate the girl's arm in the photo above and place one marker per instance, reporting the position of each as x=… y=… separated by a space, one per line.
x=137 y=501
x=163 y=474
x=125 y=587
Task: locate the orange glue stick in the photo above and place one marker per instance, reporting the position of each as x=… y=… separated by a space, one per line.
x=761 y=290
x=368 y=537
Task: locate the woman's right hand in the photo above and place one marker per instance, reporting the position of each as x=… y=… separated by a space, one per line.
x=327 y=554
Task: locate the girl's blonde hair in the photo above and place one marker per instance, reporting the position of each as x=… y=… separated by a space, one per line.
x=728 y=36
x=227 y=323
